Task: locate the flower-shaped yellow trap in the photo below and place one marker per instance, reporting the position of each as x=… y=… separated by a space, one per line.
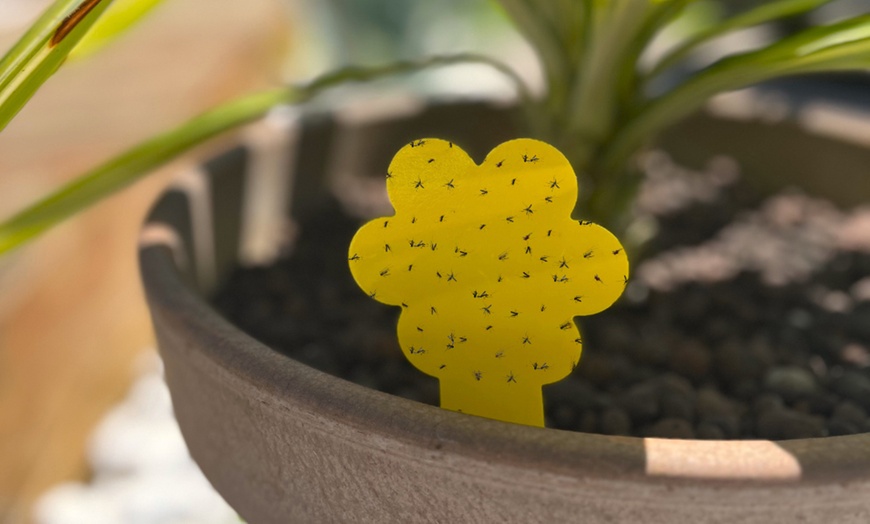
x=490 y=271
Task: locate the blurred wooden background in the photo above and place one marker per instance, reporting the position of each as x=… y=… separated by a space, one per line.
x=72 y=319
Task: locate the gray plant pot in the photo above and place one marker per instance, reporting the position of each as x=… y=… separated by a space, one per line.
x=283 y=442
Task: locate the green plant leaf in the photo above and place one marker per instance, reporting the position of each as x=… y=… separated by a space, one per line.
x=118 y=19
x=133 y=164
x=551 y=39
x=42 y=49
x=764 y=13
x=138 y=161
x=34 y=38
x=837 y=47
x=629 y=82
x=619 y=31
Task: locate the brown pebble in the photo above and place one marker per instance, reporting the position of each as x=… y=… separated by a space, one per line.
x=671 y=428
x=855 y=386
x=767 y=401
x=598 y=369
x=822 y=403
x=733 y=361
x=655 y=349
x=675 y=405
x=574 y=391
x=802 y=406
x=745 y=390
x=641 y=401
x=588 y=422
x=675 y=383
x=728 y=424
x=841 y=427
x=709 y=431
x=691 y=359
x=563 y=416
x=848 y=411
x=787 y=424
x=711 y=403
x=790 y=382
x=615 y=421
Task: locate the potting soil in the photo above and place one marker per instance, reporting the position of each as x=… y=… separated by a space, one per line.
x=747 y=317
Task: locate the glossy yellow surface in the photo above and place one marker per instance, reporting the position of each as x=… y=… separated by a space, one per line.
x=489 y=270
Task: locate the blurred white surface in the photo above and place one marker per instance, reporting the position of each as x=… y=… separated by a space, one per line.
x=142 y=472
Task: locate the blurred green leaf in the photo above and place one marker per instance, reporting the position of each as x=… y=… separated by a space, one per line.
x=132 y=165
x=764 y=13
x=42 y=49
x=554 y=34
x=837 y=47
x=137 y=162
x=618 y=32
x=119 y=18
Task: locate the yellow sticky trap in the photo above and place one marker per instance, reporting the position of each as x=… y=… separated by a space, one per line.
x=490 y=271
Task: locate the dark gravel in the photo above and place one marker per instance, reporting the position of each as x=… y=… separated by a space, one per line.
x=730 y=359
